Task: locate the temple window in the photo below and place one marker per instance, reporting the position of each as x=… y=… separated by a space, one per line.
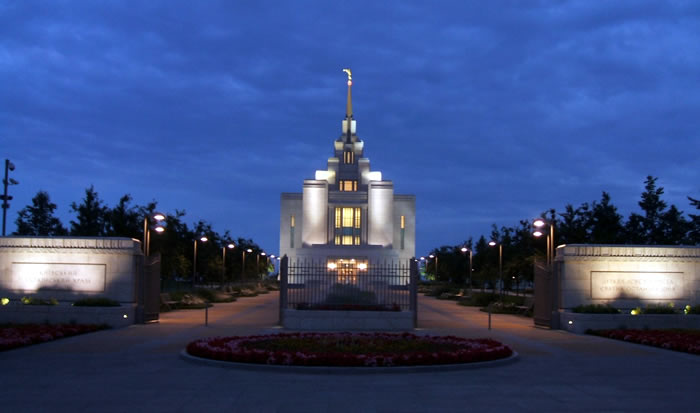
x=348 y=223
x=348 y=185
x=349 y=157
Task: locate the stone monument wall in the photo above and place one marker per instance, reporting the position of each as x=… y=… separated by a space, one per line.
x=627 y=276
x=70 y=268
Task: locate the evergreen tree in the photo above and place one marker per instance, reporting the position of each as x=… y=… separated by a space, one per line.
x=694 y=233
x=575 y=225
x=125 y=220
x=674 y=227
x=606 y=223
x=653 y=208
x=38 y=218
x=92 y=216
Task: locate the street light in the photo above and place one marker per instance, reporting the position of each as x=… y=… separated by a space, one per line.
x=500 y=261
x=465 y=250
x=230 y=246
x=9 y=166
x=539 y=230
x=249 y=250
x=257 y=263
x=436 y=265
x=203 y=238
x=159 y=228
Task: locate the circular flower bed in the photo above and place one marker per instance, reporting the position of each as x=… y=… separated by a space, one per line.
x=349 y=349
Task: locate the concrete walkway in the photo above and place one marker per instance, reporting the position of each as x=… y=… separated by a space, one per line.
x=138 y=369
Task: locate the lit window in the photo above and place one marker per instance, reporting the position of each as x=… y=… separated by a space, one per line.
x=292 y=223
x=348 y=225
x=348 y=186
x=348 y=157
x=347 y=217
x=403 y=230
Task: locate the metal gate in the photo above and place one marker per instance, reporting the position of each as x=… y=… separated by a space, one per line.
x=546 y=295
x=315 y=285
x=148 y=309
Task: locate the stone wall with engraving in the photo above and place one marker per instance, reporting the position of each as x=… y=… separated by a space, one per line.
x=627 y=276
x=69 y=268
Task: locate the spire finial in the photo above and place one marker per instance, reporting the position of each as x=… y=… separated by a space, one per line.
x=348 y=111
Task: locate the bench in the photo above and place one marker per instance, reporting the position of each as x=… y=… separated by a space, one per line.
x=167 y=301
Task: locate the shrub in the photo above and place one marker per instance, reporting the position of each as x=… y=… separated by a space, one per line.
x=692 y=309
x=659 y=309
x=479 y=299
x=500 y=307
x=595 y=309
x=96 y=302
x=39 y=301
x=207 y=295
x=350 y=294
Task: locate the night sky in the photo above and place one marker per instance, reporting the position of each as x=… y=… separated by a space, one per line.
x=488 y=111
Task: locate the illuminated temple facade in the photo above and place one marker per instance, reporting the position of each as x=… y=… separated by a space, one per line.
x=347 y=213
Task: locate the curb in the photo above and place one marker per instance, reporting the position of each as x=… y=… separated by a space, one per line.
x=348 y=370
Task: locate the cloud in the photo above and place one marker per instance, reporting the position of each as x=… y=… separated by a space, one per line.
x=488 y=112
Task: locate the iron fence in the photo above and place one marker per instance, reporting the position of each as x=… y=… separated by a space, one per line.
x=314 y=285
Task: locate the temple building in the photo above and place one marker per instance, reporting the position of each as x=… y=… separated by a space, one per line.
x=347 y=214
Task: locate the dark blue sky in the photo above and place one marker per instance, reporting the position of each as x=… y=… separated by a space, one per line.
x=488 y=111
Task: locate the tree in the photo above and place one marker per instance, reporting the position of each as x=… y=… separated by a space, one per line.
x=653 y=208
x=694 y=233
x=674 y=227
x=38 y=218
x=575 y=226
x=92 y=216
x=606 y=223
x=124 y=220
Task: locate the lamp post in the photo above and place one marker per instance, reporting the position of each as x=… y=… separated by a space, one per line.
x=9 y=166
x=272 y=260
x=243 y=262
x=159 y=228
x=464 y=250
x=436 y=264
x=230 y=246
x=257 y=263
x=539 y=231
x=194 y=261
x=500 y=261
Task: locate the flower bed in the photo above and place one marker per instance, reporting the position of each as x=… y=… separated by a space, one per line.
x=348 y=349
x=19 y=335
x=679 y=340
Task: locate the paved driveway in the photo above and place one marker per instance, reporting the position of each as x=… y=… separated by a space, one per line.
x=138 y=369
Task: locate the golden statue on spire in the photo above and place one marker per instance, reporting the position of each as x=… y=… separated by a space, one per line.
x=348 y=111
